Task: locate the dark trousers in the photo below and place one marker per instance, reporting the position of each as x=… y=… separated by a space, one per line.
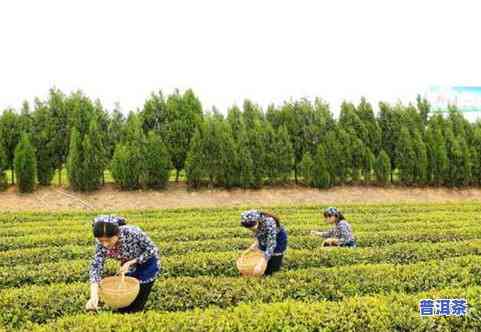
x=140 y=300
x=273 y=265
x=351 y=244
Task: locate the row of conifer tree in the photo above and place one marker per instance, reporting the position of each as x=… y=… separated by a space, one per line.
x=299 y=141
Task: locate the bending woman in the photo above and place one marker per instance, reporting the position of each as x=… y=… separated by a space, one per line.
x=271 y=237
x=138 y=255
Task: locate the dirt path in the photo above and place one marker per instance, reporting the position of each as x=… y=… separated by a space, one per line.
x=109 y=198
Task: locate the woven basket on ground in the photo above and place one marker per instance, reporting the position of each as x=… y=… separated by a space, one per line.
x=118 y=292
x=249 y=260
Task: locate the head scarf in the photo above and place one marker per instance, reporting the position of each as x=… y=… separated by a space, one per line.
x=119 y=221
x=250 y=218
x=331 y=211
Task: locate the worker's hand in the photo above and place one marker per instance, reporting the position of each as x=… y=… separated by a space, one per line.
x=316 y=233
x=258 y=268
x=125 y=268
x=92 y=303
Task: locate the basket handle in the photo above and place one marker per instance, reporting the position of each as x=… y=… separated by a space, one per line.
x=122 y=280
x=251 y=248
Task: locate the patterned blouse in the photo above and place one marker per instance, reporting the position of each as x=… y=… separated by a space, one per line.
x=266 y=235
x=342 y=231
x=133 y=243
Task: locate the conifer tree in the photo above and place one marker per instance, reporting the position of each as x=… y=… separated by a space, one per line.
x=306 y=169
x=75 y=171
x=157 y=162
x=440 y=159
x=120 y=168
x=25 y=165
x=245 y=163
x=368 y=165
x=194 y=164
x=421 y=161
x=405 y=157
x=320 y=173
x=9 y=137
x=43 y=138
x=382 y=168
x=3 y=168
x=94 y=156
x=257 y=146
x=285 y=154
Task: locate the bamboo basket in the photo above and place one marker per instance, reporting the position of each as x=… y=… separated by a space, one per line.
x=249 y=260
x=119 y=291
x=328 y=243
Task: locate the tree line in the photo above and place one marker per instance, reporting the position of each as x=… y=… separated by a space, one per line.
x=247 y=147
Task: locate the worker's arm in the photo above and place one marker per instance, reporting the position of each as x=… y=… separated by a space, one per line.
x=325 y=235
x=271 y=239
x=96 y=269
x=97 y=265
x=93 y=302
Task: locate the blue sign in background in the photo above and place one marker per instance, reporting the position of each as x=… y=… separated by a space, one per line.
x=464 y=98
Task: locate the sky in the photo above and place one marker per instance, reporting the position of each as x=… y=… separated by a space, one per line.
x=226 y=51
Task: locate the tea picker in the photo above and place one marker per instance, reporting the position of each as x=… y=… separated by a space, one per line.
x=340 y=234
x=264 y=256
x=140 y=265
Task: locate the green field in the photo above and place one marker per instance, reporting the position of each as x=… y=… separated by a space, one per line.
x=406 y=253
